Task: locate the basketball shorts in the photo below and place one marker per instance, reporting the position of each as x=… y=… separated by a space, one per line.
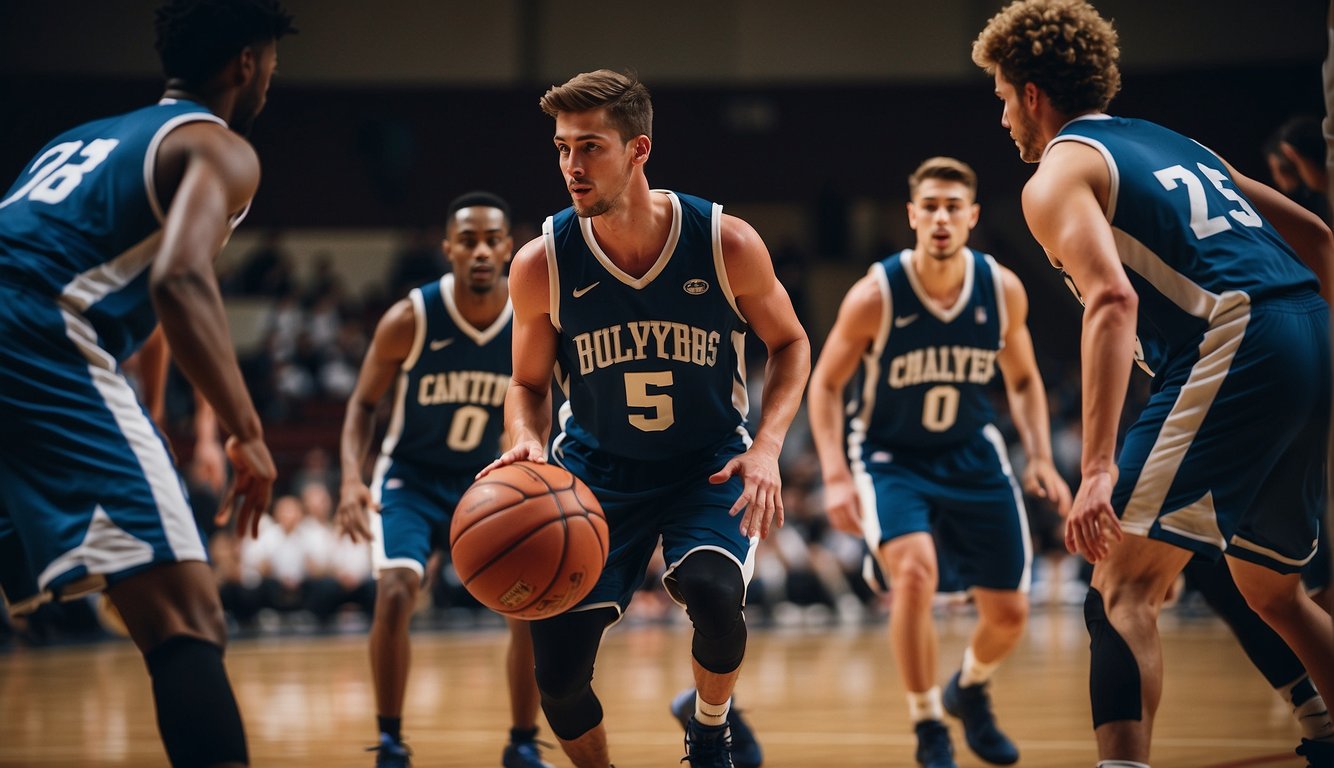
x=89 y=493
x=966 y=497
x=646 y=500
x=1229 y=452
x=416 y=506
x=1316 y=575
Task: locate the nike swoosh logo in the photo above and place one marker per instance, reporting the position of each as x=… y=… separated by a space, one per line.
x=440 y=344
x=581 y=291
x=899 y=322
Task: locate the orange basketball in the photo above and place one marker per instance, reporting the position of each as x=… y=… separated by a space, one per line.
x=528 y=540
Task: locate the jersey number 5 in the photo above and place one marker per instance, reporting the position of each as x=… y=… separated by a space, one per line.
x=54 y=176
x=1201 y=222
x=637 y=396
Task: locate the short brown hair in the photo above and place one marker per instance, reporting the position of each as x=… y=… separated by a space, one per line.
x=1062 y=46
x=945 y=169
x=629 y=108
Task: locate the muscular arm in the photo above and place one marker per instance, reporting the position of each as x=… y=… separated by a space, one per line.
x=389 y=348
x=1028 y=398
x=1062 y=203
x=854 y=331
x=219 y=174
x=528 y=401
x=765 y=305
x=1302 y=230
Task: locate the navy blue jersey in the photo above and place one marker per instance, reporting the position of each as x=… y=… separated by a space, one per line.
x=449 y=402
x=927 y=373
x=1193 y=246
x=79 y=224
x=653 y=366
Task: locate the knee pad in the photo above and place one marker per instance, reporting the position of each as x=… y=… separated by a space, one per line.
x=564 y=649
x=1114 y=677
x=196 y=711
x=713 y=590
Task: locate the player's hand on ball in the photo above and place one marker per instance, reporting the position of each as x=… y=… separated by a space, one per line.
x=524 y=450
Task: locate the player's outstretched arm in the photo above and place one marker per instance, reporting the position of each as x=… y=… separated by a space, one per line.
x=528 y=401
x=1028 y=399
x=218 y=175
x=854 y=331
x=765 y=305
x=394 y=341
x=1065 y=213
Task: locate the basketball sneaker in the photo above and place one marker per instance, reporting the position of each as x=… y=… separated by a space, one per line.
x=1318 y=754
x=391 y=753
x=934 y=749
x=972 y=705
x=708 y=746
x=523 y=751
x=746 y=752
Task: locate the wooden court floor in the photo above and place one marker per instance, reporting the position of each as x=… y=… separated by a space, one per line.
x=820 y=697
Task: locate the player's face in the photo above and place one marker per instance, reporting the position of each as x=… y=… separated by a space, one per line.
x=595 y=161
x=478 y=244
x=1019 y=121
x=942 y=213
x=250 y=101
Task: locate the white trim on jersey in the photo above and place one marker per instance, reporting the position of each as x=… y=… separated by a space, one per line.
x=88 y=288
x=944 y=314
x=480 y=337
x=553 y=274
x=418 y=300
x=719 y=264
x=1185 y=293
x=740 y=395
x=1217 y=350
x=998 y=283
x=586 y=227
x=861 y=421
x=150 y=157
x=1246 y=544
x=1113 y=173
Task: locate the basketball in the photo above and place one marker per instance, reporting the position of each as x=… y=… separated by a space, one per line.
x=528 y=540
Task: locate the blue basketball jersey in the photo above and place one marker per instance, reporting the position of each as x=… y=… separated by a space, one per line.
x=79 y=224
x=450 y=398
x=1193 y=246
x=927 y=373
x=653 y=366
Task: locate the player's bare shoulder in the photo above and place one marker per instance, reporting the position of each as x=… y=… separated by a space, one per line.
x=223 y=152
x=749 y=267
x=530 y=278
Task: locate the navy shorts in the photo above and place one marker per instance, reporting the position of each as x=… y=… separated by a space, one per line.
x=417 y=503
x=966 y=497
x=671 y=499
x=89 y=493
x=1229 y=452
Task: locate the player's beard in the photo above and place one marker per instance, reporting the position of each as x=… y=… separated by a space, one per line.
x=1026 y=136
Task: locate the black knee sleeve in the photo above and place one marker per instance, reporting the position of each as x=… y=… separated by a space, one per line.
x=1263 y=646
x=1114 y=682
x=196 y=711
x=564 y=649
x=711 y=586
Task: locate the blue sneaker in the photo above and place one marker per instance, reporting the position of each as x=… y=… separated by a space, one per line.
x=391 y=753
x=746 y=752
x=708 y=746
x=934 y=749
x=972 y=705
x=523 y=753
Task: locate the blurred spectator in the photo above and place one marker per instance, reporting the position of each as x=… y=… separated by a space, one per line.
x=266 y=271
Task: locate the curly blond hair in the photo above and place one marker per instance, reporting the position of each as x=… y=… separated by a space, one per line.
x=1062 y=46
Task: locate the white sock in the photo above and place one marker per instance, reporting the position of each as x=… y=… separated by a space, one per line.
x=1309 y=709
x=711 y=714
x=1121 y=764
x=975 y=672
x=925 y=705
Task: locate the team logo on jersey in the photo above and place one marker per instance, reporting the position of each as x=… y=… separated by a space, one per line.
x=695 y=286
x=980 y=315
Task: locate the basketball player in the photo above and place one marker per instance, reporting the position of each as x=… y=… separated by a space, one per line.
x=113 y=227
x=1162 y=237
x=446 y=350
x=929 y=326
x=641 y=300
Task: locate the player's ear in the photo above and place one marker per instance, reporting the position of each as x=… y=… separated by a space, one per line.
x=244 y=66
x=640 y=147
